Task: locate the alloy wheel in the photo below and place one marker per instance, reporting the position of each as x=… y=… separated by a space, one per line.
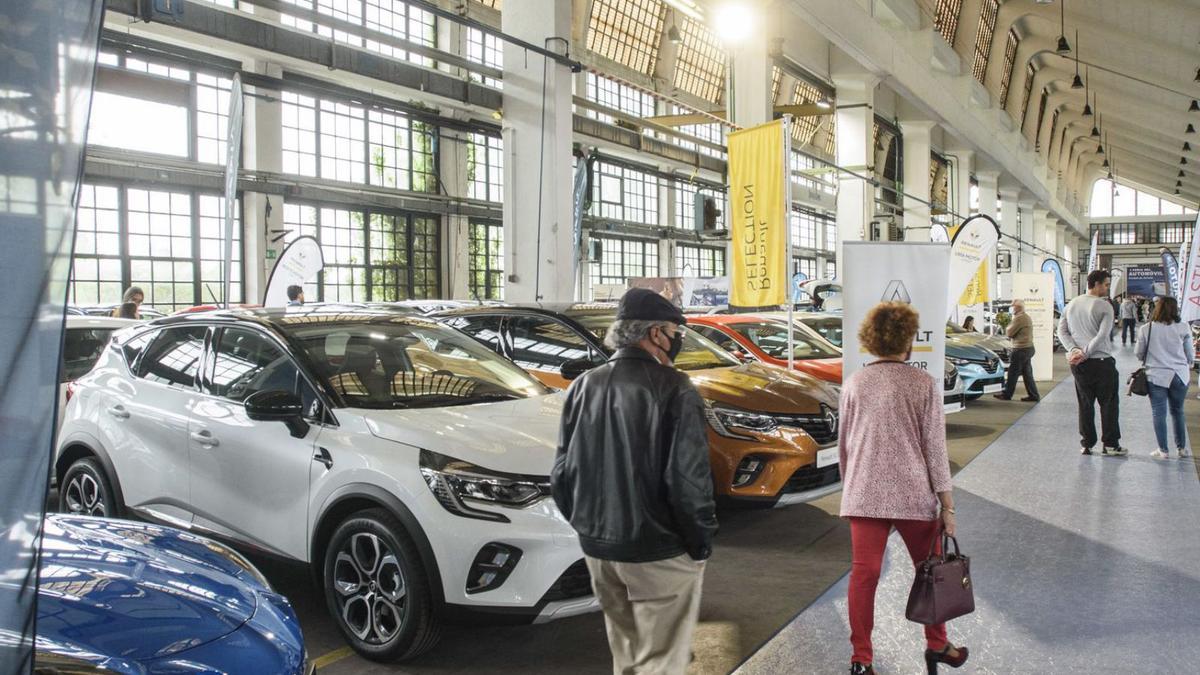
x=370 y=588
x=84 y=495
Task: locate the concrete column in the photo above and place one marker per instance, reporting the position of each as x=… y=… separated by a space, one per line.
x=456 y=228
x=1009 y=203
x=262 y=150
x=917 y=148
x=960 y=183
x=539 y=246
x=1060 y=239
x=855 y=151
x=1043 y=229
x=989 y=187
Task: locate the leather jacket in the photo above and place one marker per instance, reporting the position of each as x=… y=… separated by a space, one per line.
x=632 y=473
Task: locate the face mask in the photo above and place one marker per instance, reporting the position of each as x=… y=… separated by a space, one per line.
x=676 y=345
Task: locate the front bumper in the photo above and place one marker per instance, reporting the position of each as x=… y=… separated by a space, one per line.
x=977 y=380
x=954 y=402
x=789 y=456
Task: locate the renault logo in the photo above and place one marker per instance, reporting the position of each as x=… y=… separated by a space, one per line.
x=896 y=292
x=831 y=418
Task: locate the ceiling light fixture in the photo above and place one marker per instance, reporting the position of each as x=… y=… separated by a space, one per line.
x=824 y=103
x=1190 y=130
x=1198 y=76
x=1195 y=107
x=1096 y=124
x=1178 y=183
x=1100 y=149
x=1077 y=83
x=1064 y=47
x=1187 y=147
x=734 y=23
x=1087 y=105
x=1183 y=161
x=673 y=35
x=1105 y=165
x=1180 y=174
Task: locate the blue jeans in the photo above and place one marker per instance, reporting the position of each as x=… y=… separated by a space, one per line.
x=1160 y=399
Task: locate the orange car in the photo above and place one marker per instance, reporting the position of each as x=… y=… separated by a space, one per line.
x=772 y=433
x=764 y=338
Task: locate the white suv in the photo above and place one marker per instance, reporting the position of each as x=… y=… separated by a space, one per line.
x=407 y=463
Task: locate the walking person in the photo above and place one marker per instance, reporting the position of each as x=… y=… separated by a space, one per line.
x=1129 y=320
x=895 y=472
x=1020 y=331
x=1085 y=333
x=1165 y=346
x=632 y=476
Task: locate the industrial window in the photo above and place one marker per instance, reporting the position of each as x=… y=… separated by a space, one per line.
x=1053 y=129
x=337 y=139
x=1037 y=135
x=776 y=83
x=699 y=261
x=700 y=64
x=168 y=242
x=805 y=266
x=804 y=128
x=830 y=269
x=685 y=204
x=370 y=255
x=624 y=194
x=212 y=117
x=485 y=49
x=1029 y=72
x=805 y=172
x=804 y=229
x=618 y=96
x=713 y=132
x=398 y=19
x=485 y=167
x=624 y=259
x=983 y=38
x=627 y=31
x=1010 y=58
x=829 y=243
x=946 y=19
x=337 y=9
x=486 y=260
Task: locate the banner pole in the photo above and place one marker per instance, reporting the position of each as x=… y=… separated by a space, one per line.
x=787 y=249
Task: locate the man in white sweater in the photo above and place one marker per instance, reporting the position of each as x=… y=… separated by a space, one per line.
x=1086 y=332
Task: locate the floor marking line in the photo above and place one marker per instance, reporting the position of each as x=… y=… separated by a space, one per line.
x=332 y=657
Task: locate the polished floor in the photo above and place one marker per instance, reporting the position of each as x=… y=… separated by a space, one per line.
x=1082 y=564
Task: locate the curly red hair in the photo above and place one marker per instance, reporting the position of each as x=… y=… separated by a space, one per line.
x=889 y=329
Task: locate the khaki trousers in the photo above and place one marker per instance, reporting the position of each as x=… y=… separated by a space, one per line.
x=650 y=612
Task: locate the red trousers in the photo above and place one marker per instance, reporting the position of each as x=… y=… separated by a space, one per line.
x=868 y=539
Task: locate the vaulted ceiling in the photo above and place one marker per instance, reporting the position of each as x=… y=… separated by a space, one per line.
x=1141 y=59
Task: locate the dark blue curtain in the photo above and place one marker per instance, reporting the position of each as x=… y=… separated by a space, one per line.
x=47 y=64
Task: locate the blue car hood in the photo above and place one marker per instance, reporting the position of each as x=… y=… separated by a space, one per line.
x=131 y=591
x=961 y=350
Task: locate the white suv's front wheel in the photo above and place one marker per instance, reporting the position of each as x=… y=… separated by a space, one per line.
x=377 y=589
x=85 y=490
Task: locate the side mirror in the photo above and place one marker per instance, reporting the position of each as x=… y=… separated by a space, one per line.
x=575 y=367
x=277 y=406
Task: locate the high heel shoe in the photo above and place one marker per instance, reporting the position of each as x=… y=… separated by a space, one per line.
x=932 y=658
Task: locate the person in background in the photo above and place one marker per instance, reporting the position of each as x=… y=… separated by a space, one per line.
x=1129 y=320
x=969 y=324
x=1085 y=332
x=1020 y=331
x=1165 y=345
x=134 y=295
x=632 y=476
x=895 y=471
x=295 y=295
x=128 y=310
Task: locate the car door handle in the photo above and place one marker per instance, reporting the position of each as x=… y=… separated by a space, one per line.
x=204 y=438
x=119 y=412
x=322 y=455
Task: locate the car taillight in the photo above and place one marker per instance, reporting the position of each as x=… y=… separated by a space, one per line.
x=70 y=391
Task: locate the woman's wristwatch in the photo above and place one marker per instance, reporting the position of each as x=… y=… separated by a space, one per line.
x=948 y=510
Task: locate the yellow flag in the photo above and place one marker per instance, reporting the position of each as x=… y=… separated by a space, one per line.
x=976 y=292
x=758 y=216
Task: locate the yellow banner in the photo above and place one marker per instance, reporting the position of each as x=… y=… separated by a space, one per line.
x=758 y=216
x=976 y=292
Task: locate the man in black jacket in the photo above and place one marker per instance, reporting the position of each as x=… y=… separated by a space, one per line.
x=632 y=476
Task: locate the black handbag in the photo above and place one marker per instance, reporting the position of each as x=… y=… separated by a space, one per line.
x=1139 y=383
x=943 y=588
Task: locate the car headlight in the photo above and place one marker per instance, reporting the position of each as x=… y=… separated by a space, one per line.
x=725 y=420
x=957 y=362
x=455 y=482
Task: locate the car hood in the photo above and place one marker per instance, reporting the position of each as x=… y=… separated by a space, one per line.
x=829 y=370
x=992 y=342
x=130 y=591
x=518 y=436
x=765 y=388
x=961 y=349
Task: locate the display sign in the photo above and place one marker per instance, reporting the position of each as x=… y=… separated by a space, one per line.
x=1140 y=279
x=233 y=154
x=687 y=291
x=299 y=264
x=1060 y=285
x=1182 y=261
x=938 y=233
x=896 y=272
x=1116 y=285
x=758 y=184
x=1036 y=290
x=972 y=244
x=1190 y=306
x=1094 y=253
x=1170 y=272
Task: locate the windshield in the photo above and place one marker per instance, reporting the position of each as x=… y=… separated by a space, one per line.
x=830 y=329
x=394 y=363
x=81 y=349
x=772 y=338
x=698 y=353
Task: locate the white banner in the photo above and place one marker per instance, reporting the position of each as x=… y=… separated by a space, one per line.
x=1116 y=282
x=1182 y=270
x=1036 y=289
x=905 y=272
x=1094 y=255
x=1191 y=282
x=233 y=153
x=298 y=265
x=973 y=243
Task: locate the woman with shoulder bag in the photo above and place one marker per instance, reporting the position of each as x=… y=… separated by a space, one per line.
x=895 y=471
x=1165 y=347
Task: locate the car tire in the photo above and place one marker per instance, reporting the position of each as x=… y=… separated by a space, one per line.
x=86 y=491
x=377 y=589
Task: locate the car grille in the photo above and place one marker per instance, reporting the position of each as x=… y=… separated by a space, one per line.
x=576 y=582
x=952 y=399
x=950 y=380
x=814 y=425
x=810 y=478
x=991 y=365
x=979 y=384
